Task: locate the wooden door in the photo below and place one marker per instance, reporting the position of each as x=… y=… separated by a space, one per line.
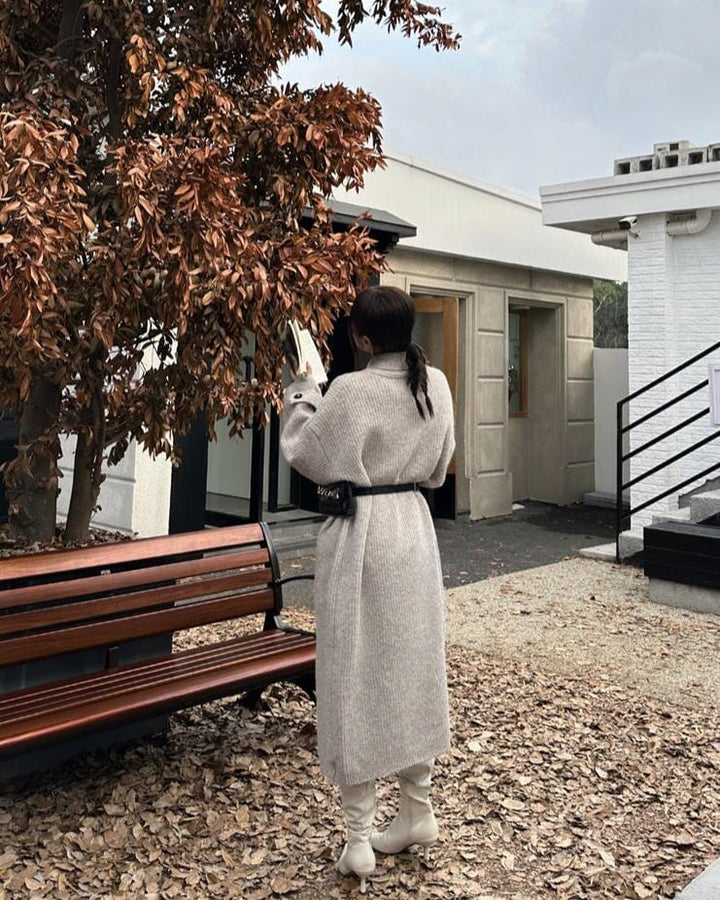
x=436 y=330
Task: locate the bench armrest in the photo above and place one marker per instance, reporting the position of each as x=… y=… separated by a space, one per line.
x=288 y=579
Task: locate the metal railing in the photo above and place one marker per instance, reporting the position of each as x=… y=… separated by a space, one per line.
x=623 y=516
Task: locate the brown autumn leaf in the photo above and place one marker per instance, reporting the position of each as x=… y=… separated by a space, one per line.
x=141 y=145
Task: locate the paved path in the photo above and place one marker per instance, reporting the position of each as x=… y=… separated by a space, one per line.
x=536 y=535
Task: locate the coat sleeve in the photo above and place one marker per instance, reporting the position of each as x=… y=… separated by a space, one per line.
x=313 y=425
x=437 y=477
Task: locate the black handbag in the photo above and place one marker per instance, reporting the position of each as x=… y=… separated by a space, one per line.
x=336 y=499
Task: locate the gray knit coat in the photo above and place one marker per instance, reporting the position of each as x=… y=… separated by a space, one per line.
x=378 y=590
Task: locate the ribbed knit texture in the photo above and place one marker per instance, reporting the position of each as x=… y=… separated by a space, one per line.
x=378 y=591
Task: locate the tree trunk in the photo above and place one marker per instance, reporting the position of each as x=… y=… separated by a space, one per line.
x=85 y=490
x=32 y=478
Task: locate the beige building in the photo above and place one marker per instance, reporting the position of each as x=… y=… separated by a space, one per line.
x=505 y=309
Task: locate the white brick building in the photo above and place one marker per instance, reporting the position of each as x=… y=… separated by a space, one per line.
x=666 y=217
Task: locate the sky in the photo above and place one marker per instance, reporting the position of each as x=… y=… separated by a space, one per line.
x=541 y=91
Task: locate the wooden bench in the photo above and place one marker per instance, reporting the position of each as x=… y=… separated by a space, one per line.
x=57 y=603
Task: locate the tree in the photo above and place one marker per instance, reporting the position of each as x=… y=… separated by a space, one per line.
x=153 y=182
x=610 y=301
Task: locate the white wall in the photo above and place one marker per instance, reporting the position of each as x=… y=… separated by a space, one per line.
x=611 y=385
x=459 y=216
x=135 y=496
x=674 y=306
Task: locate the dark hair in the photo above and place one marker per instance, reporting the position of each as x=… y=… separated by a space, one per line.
x=386 y=315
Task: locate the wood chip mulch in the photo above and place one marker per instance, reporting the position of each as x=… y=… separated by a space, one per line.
x=555 y=788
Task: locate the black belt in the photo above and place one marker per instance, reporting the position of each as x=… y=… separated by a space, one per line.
x=385 y=489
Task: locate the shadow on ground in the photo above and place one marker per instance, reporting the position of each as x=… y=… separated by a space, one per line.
x=536 y=534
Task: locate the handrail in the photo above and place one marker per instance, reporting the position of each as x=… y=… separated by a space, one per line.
x=673 y=459
x=665 y=434
x=676 y=487
x=685 y=365
x=622 y=516
x=667 y=405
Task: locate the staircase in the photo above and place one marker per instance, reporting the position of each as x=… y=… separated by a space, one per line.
x=700 y=503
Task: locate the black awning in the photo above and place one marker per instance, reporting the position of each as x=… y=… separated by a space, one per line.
x=386 y=228
x=377 y=219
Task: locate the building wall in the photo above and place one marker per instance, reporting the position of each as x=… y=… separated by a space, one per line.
x=135 y=496
x=560 y=437
x=674 y=297
x=611 y=385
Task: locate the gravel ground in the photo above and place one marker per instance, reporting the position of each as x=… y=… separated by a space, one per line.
x=585 y=764
x=581 y=616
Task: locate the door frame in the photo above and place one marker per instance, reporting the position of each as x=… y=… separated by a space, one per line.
x=443 y=501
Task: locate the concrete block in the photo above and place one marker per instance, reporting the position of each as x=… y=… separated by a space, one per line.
x=489 y=454
x=604 y=552
x=490 y=310
x=579 y=318
x=490 y=402
x=680 y=515
x=580 y=442
x=704 y=505
x=495 y=274
x=579 y=480
x=556 y=283
x=685 y=596
x=630 y=164
x=395 y=278
x=631 y=542
x=116 y=505
x=491 y=495
x=490 y=354
x=705 y=887
x=580 y=401
x=713 y=153
x=580 y=358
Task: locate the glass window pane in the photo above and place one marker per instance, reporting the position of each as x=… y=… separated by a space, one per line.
x=516 y=400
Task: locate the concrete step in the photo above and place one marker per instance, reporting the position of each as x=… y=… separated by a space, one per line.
x=680 y=515
x=631 y=542
x=605 y=552
x=704 y=505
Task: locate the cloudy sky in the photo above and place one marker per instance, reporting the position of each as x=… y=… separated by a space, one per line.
x=542 y=91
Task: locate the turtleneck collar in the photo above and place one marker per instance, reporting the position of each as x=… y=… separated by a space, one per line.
x=394 y=362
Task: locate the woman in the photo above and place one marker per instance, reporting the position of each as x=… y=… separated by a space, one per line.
x=379 y=602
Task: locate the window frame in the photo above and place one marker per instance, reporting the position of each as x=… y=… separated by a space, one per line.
x=523 y=412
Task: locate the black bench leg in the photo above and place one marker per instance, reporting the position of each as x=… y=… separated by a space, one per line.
x=253 y=700
x=307 y=684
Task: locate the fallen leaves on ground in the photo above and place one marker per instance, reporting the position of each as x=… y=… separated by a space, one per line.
x=556 y=787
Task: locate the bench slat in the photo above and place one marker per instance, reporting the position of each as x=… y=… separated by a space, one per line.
x=85 y=637
x=52 y=562
x=40 y=695
x=155 y=699
x=125 y=679
x=117 y=581
x=41 y=619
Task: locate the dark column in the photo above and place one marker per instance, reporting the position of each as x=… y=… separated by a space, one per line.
x=274 y=461
x=257 y=465
x=8 y=452
x=189 y=480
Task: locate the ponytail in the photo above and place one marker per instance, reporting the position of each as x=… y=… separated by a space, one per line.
x=386 y=316
x=417 y=377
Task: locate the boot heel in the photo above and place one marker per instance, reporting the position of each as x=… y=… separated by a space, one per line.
x=363 y=884
x=426 y=853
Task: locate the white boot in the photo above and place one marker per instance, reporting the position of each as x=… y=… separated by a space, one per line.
x=415 y=822
x=358 y=802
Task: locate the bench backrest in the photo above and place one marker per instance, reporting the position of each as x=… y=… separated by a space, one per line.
x=62 y=601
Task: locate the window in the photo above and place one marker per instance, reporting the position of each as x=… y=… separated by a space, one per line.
x=517 y=363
